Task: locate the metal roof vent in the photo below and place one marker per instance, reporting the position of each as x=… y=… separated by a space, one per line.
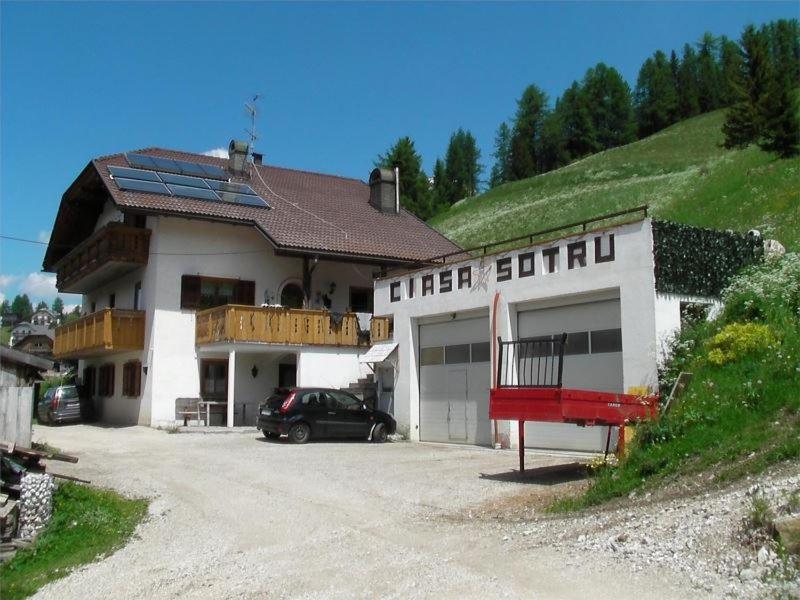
x=384 y=190
x=237 y=157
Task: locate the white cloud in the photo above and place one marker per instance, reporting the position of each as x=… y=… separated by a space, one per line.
x=39 y=285
x=2 y=297
x=7 y=280
x=44 y=236
x=217 y=152
x=68 y=308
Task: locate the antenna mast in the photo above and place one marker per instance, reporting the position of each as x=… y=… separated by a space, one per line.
x=251 y=109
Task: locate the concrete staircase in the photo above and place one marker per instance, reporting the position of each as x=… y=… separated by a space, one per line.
x=365 y=388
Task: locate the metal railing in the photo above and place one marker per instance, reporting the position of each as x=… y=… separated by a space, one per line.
x=531 y=362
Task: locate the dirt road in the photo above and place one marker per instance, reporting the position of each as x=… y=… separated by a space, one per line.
x=236 y=516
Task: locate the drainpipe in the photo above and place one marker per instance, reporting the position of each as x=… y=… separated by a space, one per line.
x=397 y=190
x=495 y=441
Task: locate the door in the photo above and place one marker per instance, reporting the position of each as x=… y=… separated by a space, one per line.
x=457 y=405
x=592 y=361
x=351 y=419
x=315 y=410
x=454 y=376
x=287 y=375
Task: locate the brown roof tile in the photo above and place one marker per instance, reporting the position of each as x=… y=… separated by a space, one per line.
x=310 y=211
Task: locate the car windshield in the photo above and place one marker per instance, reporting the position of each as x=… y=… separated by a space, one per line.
x=69 y=392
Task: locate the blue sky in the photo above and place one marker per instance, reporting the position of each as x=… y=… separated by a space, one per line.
x=340 y=82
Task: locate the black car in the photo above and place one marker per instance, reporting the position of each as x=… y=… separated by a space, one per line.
x=303 y=413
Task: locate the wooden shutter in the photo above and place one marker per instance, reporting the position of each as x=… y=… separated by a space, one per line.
x=190 y=291
x=245 y=293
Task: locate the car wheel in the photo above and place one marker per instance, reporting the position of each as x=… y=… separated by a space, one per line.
x=271 y=435
x=379 y=434
x=299 y=433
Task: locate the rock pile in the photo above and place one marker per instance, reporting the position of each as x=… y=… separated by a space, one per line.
x=36 y=503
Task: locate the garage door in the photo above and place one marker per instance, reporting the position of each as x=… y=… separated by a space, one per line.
x=454 y=382
x=592 y=361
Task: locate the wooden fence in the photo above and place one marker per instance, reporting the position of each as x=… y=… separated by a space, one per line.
x=16 y=412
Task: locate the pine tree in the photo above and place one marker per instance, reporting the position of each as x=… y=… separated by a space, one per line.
x=42 y=306
x=58 y=306
x=578 y=133
x=21 y=306
x=552 y=151
x=461 y=165
x=744 y=123
x=730 y=69
x=708 y=73
x=501 y=170
x=781 y=133
x=688 y=97
x=5 y=307
x=608 y=99
x=414 y=186
x=528 y=124
x=655 y=98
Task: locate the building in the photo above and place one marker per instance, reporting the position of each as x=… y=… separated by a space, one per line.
x=619 y=288
x=44 y=317
x=19 y=368
x=38 y=342
x=220 y=279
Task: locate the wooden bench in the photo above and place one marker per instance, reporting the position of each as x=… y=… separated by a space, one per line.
x=186 y=408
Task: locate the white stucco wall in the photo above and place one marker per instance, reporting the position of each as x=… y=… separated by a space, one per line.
x=329 y=367
x=118 y=409
x=668 y=318
x=109 y=214
x=629 y=276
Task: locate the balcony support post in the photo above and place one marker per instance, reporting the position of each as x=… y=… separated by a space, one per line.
x=231 y=386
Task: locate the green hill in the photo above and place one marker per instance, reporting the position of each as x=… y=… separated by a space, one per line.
x=682 y=173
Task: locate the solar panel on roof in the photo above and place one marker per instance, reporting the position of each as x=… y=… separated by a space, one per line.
x=140 y=160
x=140 y=185
x=183 y=180
x=129 y=173
x=193 y=192
x=214 y=171
x=181 y=167
x=228 y=186
x=242 y=199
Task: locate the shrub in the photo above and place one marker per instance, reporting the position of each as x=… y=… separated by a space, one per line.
x=738 y=340
x=762 y=291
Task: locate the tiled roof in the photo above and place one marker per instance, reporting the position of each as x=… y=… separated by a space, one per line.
x=310 y=211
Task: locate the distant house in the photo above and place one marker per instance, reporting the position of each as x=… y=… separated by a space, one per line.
x=19 y=368
x=39 y=342
x=45 y=317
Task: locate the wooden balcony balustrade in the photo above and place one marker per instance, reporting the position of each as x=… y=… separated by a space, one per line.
x=106 y=331
x=109 y=253
x=275 y=325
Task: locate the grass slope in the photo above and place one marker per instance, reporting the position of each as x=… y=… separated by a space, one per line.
x=682 y=173
x=87 y=523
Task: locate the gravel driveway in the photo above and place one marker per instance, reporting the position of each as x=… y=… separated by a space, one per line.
x=236 y=516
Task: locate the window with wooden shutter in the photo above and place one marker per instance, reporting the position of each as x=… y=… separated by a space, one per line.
x=200 y=292
x=132 y=379
x=105 y=380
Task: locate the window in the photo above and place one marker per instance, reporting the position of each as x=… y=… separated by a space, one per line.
x=132 y=379
x=577 y=343
x=214 y=378
x=292 y=296
x=105 y=380
x=361 y=299
x=112 y=300
x=88 y=380
x=606 y=340
x=311 y=399
x=481 y=352
x=207 y=292
x=344 y=401
x=94 y=306
x=456 y=354
x=431 y=356
x=137 y=296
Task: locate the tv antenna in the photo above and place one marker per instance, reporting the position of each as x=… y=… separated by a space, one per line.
x=251 y=108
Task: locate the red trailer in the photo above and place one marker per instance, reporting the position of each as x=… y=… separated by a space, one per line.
x=528 y=388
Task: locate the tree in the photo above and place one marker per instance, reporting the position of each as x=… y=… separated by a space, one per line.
x=730 y=58
x=688 y=84
x=552 y=151
x=501 y=170
x=708 y=73
x=58 y=306
x=74 y=315
x=21 y=306
x=5 y=307
x=608 y=100
x=42 y=306
x=655 y=98
x=462 y=168
x=578 y=133
x=744 y=123
x=781 y=133
x=414 y=186
x=441 y=189
x=528 y=124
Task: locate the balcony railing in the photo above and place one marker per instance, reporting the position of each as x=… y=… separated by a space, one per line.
x=275 y=325
x=110 y=252
x=104 y=332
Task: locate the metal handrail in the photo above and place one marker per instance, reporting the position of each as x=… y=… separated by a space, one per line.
x=531 y=362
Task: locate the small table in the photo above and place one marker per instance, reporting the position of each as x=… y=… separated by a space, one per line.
x=208 y=404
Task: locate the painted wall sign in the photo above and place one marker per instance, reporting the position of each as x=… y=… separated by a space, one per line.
x=577 y=257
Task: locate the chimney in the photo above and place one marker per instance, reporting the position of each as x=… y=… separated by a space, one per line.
x=237 y=157
x=258 y=158
x=384 y=190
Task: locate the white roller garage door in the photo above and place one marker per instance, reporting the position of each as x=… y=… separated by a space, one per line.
x=454 y=381
x=592 y=361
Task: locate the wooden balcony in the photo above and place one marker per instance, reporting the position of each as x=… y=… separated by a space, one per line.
x=109 y=253
x=104 y=332
x=274 y=325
